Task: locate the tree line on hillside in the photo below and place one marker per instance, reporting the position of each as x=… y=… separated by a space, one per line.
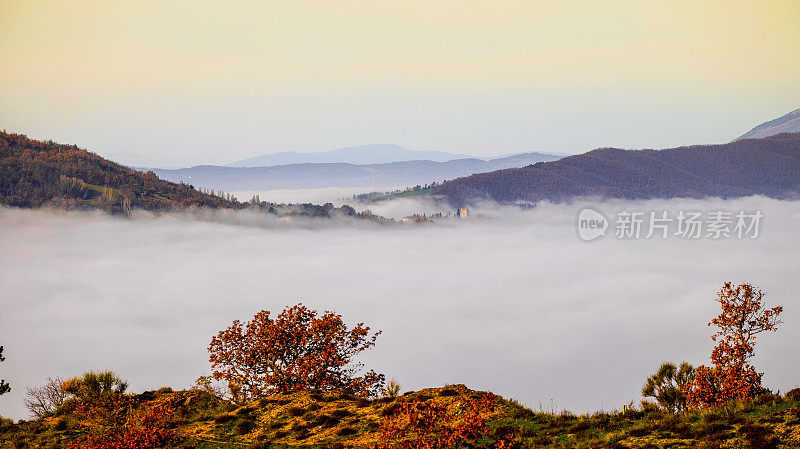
x=37 y=173
x=769 y=166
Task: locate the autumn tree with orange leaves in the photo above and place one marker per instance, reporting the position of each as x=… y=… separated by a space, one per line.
x=295 y=350
x=743 y=317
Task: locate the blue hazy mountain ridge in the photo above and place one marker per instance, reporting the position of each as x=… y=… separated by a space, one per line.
x=358 y=155
x=789 y=123
x=322 y=175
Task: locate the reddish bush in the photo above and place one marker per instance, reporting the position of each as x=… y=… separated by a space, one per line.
x=115 y=422
x=425 y=425
x=743 y=317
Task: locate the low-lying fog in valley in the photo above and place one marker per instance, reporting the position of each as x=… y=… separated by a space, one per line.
x=396 y=208
x=507 y=300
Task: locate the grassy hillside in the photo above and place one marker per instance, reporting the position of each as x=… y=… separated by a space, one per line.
x=334 y=420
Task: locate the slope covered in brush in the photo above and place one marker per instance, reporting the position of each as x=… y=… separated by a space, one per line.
x=313 y=419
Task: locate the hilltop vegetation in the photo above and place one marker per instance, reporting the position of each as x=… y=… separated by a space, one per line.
x=291 y=381
x=316 y=419
x=769 y=166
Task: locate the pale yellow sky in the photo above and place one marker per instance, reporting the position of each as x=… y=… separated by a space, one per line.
x=269 y=75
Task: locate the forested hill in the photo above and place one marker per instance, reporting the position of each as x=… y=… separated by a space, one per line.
x=35 y=173
x=769 y=166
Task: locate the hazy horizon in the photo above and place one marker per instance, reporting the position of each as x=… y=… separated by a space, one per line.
x=176 y=84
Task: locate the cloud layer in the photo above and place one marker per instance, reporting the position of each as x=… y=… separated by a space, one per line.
x=513 y=302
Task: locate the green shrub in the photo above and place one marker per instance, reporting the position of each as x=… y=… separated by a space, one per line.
x=392 y=389
x=92 y=384
x=667 y=385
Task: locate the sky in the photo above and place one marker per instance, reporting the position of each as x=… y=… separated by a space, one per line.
x=178 y=83
x=516 y=304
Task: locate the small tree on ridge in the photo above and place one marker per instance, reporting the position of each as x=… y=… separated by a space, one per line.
x=295 y=350
x=743 y=317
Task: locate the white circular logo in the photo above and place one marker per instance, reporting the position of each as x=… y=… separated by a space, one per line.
x=591 y=224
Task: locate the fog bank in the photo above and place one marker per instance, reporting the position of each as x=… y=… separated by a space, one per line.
x=510 y=301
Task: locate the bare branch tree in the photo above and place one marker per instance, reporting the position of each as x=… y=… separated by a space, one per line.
x=45 y=399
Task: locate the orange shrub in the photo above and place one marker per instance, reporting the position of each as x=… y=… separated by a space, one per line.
x=114 y=422
x=424 y=425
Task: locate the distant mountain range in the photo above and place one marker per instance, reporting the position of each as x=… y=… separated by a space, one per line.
x=769 y=166
x=789 y=123
x=321 y=175
x=358 y=155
